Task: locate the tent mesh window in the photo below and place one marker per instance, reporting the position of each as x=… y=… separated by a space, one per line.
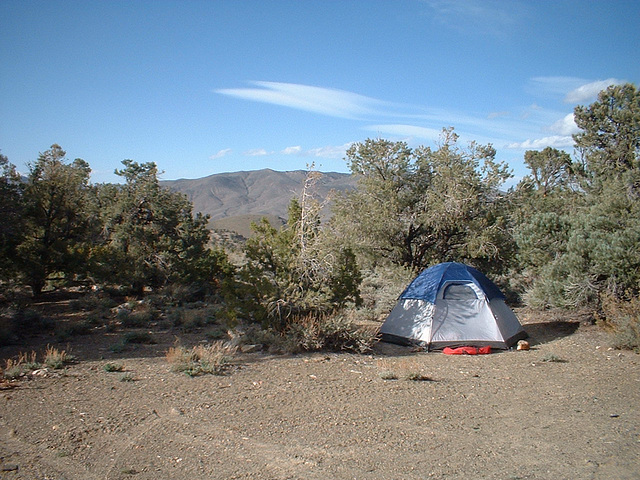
x=459 y=292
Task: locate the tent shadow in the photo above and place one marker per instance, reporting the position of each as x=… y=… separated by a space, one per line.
x=545 y=332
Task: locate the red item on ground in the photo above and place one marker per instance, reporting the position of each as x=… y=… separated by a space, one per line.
x=466 y=350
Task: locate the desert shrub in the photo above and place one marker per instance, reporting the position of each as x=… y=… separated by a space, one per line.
x=13 y=370
x=113 y=367
x=553 y=358
x=189 y=318
x=380 y=289
x=312 y=333
x=56 y=359
x=138 y=314
x=622 y=318
x=295 y=271
x=332 y=332
x=24 y=363
x=388 y=375
x=98 y=317
x=79 y=328
x=29 y=321
x=138 y=337
x=214 y=359
x=118 y=347
x=92 y=302
x=418 y=377
x=216 y=332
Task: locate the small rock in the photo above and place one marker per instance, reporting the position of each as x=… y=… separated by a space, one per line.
x=523 y=345
x=9 y=467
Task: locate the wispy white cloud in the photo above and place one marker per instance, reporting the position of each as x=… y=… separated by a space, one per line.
x=589 y=91
x=292 y=150
x=256 y=152
x=404 y=130
x=554 y=141
x=220 y=154
x=329 y=151
x=571 y=89
x=535 y=126
x=326 y=101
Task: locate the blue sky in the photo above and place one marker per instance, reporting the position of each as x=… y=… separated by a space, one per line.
x=204 y=87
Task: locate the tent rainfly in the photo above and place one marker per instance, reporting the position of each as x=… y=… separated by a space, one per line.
x=451 y=304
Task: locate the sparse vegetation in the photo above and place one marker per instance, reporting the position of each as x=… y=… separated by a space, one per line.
x=418 y=377
x=623 y=318
x=407 y=369
x=56 y=359
x=138 y=337
x=565 y=237
x=388 y=375
x=553 y=358
x=214 y=359
x=24 y=363
x=113 y=367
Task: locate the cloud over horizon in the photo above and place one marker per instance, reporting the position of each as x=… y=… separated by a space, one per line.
x=589 y=91
x=536 y=127
x=554 y=141
x=220 y=154
x=326 y=101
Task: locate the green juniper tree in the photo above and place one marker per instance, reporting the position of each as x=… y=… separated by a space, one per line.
x=593 y=243
x=543 y=205
x=58 y=217
x=11 y=213
x=417 y=207
x=151 y=237
x=293 y=271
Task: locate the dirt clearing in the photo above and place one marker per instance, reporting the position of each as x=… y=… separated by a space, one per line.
x=566 y=409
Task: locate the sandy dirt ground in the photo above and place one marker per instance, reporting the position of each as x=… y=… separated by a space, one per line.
x=566 y=409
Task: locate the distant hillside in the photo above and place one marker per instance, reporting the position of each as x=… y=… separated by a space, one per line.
x=234 y=200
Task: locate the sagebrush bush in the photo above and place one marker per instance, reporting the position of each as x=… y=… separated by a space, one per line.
x=139 y=338
x=92 y=302
x=622 y=317
x=380 y=289
x=113 y=367
x=312 y=333
x=214 y=359
x=191 y=317
x=141 y=315
x=26 y=321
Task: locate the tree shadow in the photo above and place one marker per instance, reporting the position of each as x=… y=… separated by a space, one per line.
x=545 y=332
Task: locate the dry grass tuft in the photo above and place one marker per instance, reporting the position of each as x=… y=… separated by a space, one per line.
x=56 y=359
x=202 y=359
x=408 y=369
x=20 y=366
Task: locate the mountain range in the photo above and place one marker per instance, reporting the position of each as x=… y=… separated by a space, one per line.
x=235 y=200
